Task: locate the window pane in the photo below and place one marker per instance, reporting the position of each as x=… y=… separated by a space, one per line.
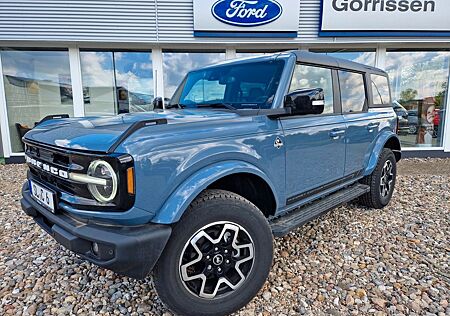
x=177 y=65
x=97 y=74
x=134 y=81
x=419 y=83
x=366 y=58
x=353 y=95
x=117 y=82
x=380 y=89
x=37 y=84
x=309 y=77
x=245 y=85
x=205 y=91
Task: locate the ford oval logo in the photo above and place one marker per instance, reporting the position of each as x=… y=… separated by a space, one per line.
x=246 y=12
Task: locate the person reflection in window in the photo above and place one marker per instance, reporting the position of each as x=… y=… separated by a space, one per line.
x=425 y=135
x=124 y=106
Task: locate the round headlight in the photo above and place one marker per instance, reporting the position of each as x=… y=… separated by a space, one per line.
x=103 y=170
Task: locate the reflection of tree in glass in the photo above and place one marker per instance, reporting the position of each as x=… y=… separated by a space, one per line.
x=439 y=101
x=408 y=95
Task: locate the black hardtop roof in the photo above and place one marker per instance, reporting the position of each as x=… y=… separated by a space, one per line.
x=307 y=58
x=322 y=59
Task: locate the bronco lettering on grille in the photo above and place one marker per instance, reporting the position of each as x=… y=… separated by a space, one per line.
x=47 y=168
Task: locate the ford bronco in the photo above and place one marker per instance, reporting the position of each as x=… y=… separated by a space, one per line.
x=194 y=191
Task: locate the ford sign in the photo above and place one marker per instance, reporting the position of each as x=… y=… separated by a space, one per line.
x=246 y=12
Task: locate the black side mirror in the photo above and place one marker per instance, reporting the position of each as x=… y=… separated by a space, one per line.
x=306 y=101
x=157 y=103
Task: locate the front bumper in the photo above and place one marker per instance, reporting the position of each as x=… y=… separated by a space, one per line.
x=128 y=250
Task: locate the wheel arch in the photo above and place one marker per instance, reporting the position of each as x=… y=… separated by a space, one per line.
x=218 y=176
x=385 y=140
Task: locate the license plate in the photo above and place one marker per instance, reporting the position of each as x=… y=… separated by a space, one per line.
x=43 y=196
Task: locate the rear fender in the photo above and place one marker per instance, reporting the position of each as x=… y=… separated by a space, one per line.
x=182 y=197
x=380 y=143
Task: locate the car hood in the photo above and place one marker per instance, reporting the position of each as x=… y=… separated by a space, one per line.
x=98 y=134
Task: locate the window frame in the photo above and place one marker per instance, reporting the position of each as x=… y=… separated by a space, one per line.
x=334 y=85
x=365 y=108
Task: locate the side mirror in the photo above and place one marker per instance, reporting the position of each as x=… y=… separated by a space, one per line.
x=157 y=103
x=306 y=101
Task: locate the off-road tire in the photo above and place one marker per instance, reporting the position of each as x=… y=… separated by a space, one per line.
x=213 y=206
x=374 y=198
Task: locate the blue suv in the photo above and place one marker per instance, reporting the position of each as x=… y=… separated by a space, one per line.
x=194 y=191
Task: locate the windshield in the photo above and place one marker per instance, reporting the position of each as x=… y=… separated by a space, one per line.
x=241 y=86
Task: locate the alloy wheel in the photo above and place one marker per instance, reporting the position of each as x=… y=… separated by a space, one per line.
x=216 y=260
x=387 y=178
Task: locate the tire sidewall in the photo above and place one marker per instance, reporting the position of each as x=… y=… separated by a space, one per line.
x=202 y=214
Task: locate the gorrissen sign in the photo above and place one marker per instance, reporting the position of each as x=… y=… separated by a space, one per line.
x=385 y=18
x=384 y=5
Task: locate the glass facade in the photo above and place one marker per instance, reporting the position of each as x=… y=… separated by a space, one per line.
x=37 y=83
x=116 y=82
x=419 y=81
x=177 y=64
x=360 y=56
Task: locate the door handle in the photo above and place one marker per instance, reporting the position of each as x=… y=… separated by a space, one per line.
x=372 y=126
x=335 y=134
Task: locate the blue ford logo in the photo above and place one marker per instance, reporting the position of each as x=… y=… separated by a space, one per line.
x=246 y=12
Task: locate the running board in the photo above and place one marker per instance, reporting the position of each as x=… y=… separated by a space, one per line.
x=283 y=225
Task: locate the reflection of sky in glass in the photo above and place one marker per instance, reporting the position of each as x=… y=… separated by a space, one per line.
x=246 y=54
x=366 y=58
x=36 y=65
x=424 y=72
x=104 y=72
x=177 y=65
x=97 y=69
x=309 y=77
x=134 y=71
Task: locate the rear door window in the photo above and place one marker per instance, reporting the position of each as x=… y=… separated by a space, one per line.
x=353 y=91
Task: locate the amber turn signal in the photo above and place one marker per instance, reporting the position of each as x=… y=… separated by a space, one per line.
x=130 y=180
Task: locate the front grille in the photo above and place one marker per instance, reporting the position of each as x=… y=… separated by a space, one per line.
x=67 y=161
x=63 y=161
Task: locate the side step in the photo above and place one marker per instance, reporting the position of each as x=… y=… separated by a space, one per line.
x=283 y=225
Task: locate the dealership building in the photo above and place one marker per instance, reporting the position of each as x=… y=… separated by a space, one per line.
x=107 y=57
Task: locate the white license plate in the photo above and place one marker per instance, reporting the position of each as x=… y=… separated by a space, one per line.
x=43 y=196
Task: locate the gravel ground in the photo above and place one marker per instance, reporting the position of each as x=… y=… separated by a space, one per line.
x=352 y=261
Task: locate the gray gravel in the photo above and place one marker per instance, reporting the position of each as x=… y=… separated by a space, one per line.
x=352 y=261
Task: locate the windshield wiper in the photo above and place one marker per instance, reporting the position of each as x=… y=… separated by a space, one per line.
x=217 y=105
